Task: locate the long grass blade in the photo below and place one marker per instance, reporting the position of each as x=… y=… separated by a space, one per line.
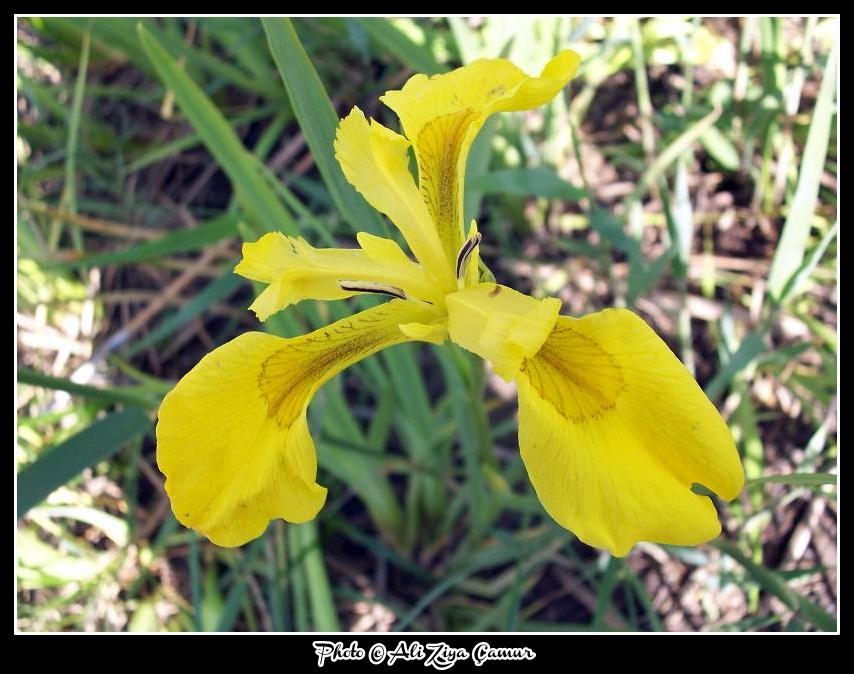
x=774 y=584
x=317 y=119
x=181 y=241
x=108 y=396
x=798 y=479
x=217 y=291
x=790 y=249
x=389 y=37
x=240 y=165
x=60 y=464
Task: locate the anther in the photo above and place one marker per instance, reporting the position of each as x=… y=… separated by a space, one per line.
x=465 y=253
x=372 y=287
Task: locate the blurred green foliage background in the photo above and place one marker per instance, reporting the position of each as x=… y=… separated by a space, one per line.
x=688 y=172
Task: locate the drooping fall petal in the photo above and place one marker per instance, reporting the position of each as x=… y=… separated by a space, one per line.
x=614 y=431
x=441 y=115
x=232 y=436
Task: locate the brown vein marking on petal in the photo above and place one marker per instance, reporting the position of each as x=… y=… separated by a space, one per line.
x=290 y=376
x=438 y=153
x=576 y=375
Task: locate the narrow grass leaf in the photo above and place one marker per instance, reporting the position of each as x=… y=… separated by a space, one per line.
x=195 y=583
x=298 y=590
x=180 y=241
x=388 y=37
x=536 y=182
x=379 y=548
x=774 y=584
x=317 y=119
x=682 y=142
x=219 y=290
x=363 y=473
x=112 y=36
x=720 y=148
x=172 y=148
x=319 y=590
x=68 y=201
x=63 y=462
x=798 y=479
x=474 y=439
x=229 y=611
x=682 y=213
x=797 y=281
x=750 y=348
x=219 y=69
x=240 y=165
x=125 y=396
x=605 y=590
x=790 y=249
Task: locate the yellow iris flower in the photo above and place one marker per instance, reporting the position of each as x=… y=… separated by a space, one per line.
x=613 y=429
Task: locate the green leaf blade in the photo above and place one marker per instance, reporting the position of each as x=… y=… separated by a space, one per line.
x=59 y=465
x=240 y=165
x=318 y=121
x=790 y=249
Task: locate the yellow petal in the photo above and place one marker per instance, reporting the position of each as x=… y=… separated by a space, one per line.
x=500 y=324
x=229 y=467
x=376 y=162
x=614 y=431
x=232 y=437
x=298 y=271
x=435 y=333
x=382 y=251
x=441 y=116
x=267 y=258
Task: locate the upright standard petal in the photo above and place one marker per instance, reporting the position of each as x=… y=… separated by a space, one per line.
x=232 y=436
x=614 y=431
x=376 y=162
x=295 y=271
x=441 y=116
